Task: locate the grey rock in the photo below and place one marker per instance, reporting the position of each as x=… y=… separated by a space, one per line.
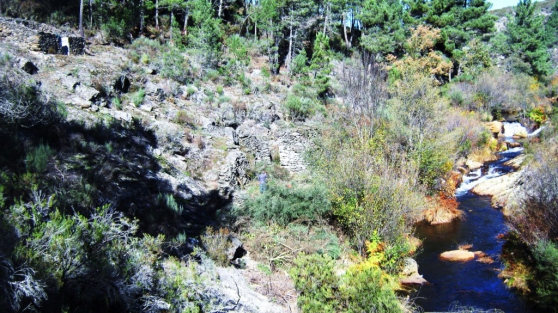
x=146 y=107
x=70 y=82
x=122 y=116
x=87 y=93
x=410 y=267
x=231 y=136
x=233 y=172
x=236 y=249
x=80 y=102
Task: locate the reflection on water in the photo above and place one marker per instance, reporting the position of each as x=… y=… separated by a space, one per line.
x=471 y=283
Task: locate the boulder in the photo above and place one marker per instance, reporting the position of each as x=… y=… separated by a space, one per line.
x=233 y=172
x=473 y=165
x=410 y=267
x=516 y=162
x=146 y=107
x=29 y=67
x=513 y=144
x=410 y=273
x=70 y=82
x=496 y=186
x=485 y=260
x=236 y=249
x=495 y=127
x=87 y=93
x=122 y=116
x=413 y=280
x=457 y=256
x=80 y=102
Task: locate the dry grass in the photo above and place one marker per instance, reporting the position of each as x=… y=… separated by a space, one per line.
x=442 y=210
x=278 y=286
x=482 y=155
x=517 y=276
x=278 y=246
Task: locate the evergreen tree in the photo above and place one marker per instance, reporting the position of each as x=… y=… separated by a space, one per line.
x=527 y=39
x=172 y=6
x=551 y=27
x=205 y=35
x=266 y=18
x=458 y=20
x=298 y=21
x=382 y=23
x=320 y=64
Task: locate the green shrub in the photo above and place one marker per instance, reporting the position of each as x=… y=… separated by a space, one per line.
x=318 y=286
x=433 y=162
x=117 y=103
x=300 y=64
x=37 y=159
x=168 y=201
x=368 y=289
x=183 y=118
x=363 y=288
x=216 y=243
x=115 y=29
x=174 y=65
x=138 y=97
x=545 y=281
x=220 y=90
x=284 y=204
x=300 y=108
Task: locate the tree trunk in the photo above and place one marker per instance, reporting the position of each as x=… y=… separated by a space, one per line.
x=90 y=14
x=220 y=8
x=170 y=28
x=345 y=33
x=255 y=31
x=186 y=14
x=157 y=14
x=325 y=19
x=0 y=7
x=289 y=54
x=81 y=19
x=142 y=17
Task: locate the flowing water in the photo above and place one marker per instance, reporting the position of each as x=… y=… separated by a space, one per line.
x=472 y=283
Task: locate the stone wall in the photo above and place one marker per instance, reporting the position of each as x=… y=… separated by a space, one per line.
x=38 y=36
x=52 y=44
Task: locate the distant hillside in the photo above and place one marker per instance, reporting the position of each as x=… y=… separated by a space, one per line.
x=544 y=6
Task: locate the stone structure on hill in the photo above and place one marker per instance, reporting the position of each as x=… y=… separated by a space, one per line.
x=41 y=37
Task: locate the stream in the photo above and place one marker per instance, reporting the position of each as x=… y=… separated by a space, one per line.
x=471 y=284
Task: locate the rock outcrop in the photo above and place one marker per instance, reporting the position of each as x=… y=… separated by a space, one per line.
x=496 y=128
x=499 y=188
x=410 y=273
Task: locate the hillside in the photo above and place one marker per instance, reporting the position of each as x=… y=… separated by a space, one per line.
x=278 y=156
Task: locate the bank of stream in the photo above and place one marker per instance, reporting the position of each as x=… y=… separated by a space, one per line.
x=471 y=284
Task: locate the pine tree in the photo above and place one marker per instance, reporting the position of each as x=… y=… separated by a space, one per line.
x=320 y=64
x=458 y=20
x=297 y=20
x=527 y=39
x=266 y=17
x=551 y=27
x=205 y=35
x=382 y=24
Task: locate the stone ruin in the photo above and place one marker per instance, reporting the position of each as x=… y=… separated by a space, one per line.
x=55 y=44
x=41 y=37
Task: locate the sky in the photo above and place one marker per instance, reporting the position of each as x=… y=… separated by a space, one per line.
x=498 y=4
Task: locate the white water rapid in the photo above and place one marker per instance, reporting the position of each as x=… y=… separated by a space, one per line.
x=497 y=168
